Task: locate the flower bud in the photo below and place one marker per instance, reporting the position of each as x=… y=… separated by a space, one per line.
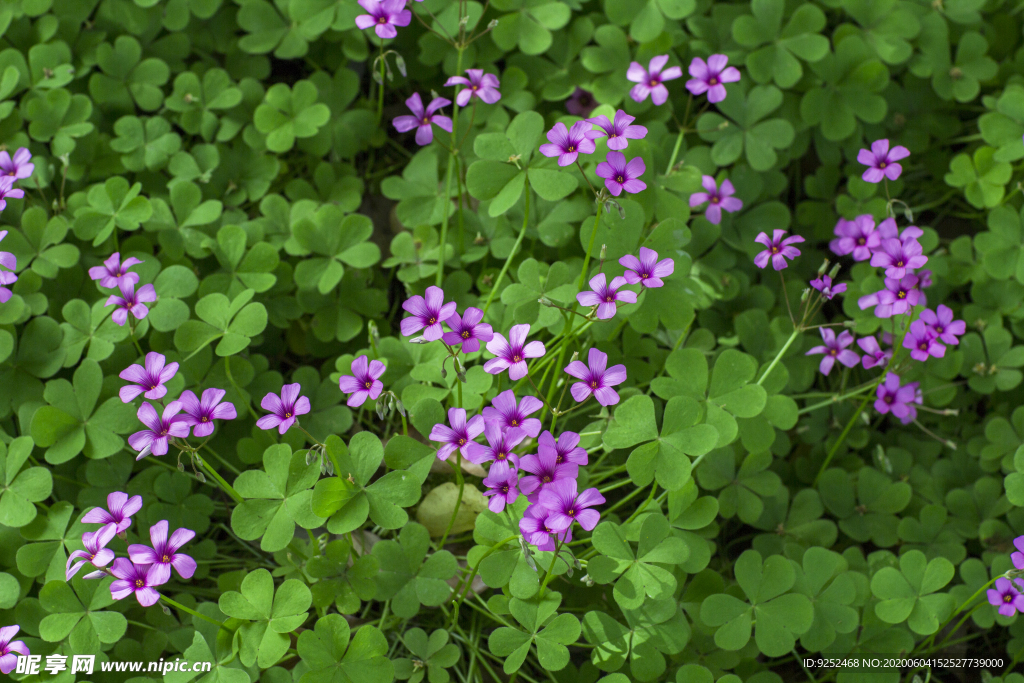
x=493 y=24
x=835 y=271
x=850 y=323
x=822 y=268
x=400 y=407
x=400 y=63
x=806 y=295
x=604 y=251
x=575 y=356
x=419 y=340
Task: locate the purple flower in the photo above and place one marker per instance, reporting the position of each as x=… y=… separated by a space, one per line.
x=925 y=277
x=7 y=190
x=619 y=175
x=164 y=553
x=121 y=508
x=922 y=342
x=131 y=301
x=873 y=353
x=943 y=325
x=479 y=84
x=898 y=256
x=824 y=285
x=10 y=262
x=112 y=273
x=619 y=131
x=537 y=530
x=778 y=249
x=898 y=297
x=647 y=271
x=567 y=506
x=605 y=296
x=284 y=409
x=459 y=436
x=498 y=449
x=149 y=379
x=384 y=16
x=427 y=313
x=568 y=143
x=545 y=470
x=8 y=658
x=512 y=354
x=421 y=120
x=894 y=398
x=507 y=415
x=566 y=449
x=834 y=350
x=717 y=199
x=650 y=81
x=6 y=279
x=363 y=383
x=1007 y=598
x=1018 y=557
x=96 y=553
x=711 y=77
x=467 y=330
x=138 y=579
x=580 y=103
x=881 y=161
x=161 y=428
x=18 y=167
x=200 y=414
x=501 y=489
x=598 y=379
x=857 y=237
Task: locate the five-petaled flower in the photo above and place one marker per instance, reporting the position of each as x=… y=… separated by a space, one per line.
x=606 y=295
x=828 y=290
x=778 y=249
x=148 y=380
x=597 y=379
x=478 y=85
x=284 y=409
x=134 y=578
x=131 y=301
x=651 y=81
x=508 y=415
x=881 y=161
x=873 y=353
x=922 y=342
x=1018 y=557
x=718 y=199
x=384 y=16
x=835 y=350
x=19 y=166
x=711 y=77
x=537 y=530
x=96 y=553
x=200 y=413
x=565 y=449
x=427 y=314
x=942 y=324
x=544 y=470
x=899 y=256
x=1006 y=597
x=568 y=143
x=422 y=119
x=120 y=509
x=568 y=506
x=647 y=271
x=513 y=352
x=9 y=650
x=160 y=429
x=10 y=262
x=363 y=383
x=7 y=189
x=164 y=553
x=501 y=489
x=619 y=175
x=112 y=273
x=898 y=297
x=467 y=330
x=891 y=397
x=619 y=131
x=459 y=435
x=498 y=449
x=857 y=237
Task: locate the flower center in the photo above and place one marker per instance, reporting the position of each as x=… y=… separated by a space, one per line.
x=287 y=414
x=644 y=276
x=559 y=459
x=165 y=558
x=204 y=419
x=713 y=81
x=514 y=422
x=382 y=20
x=426 y=120
x=619 y=179
x=462 y=442
x=546 y=479
x=899 y=264
x=517 y=358
x=593 y=384
x=163 y=433
x=888 y=399
x=570 y=148
x=368 y=384
x=431 y=320
x=775 y=250
x=902 y=295
x=881 y=164
x=501 y=455
x=1007 y=598
x=139 y=583
x=714 y=200
x=653 y=83
x=571 y=512
x=938 y=329
x=504 y=488
x=923 y=346
x=476 y=87
x=861 y=242
x=609 y=299
x=153 y=387
x=832 y=352
x=465 y=334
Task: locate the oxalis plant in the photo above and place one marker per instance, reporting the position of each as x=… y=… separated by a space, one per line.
x=517 y=341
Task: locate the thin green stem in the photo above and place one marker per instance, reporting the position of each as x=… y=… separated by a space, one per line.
x=220 y=480
x=779 y=355
x=515 y=248
x=443 y=244
x=188 y=610
x=458 y=501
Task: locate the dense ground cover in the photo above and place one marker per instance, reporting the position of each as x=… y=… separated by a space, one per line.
x=527 y=340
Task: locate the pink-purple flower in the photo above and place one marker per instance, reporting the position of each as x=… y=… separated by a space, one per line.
x=828 y=290
x=427 y=314
x=131 y=301
x=284 y=409
x=164 y=553
x=544 y=470
x=112 y=273
x=513 y=352
x=619 y=175
x=568 y=506
x=619 y=131
x=565 y=449
x=580 y=103
x=467 y=330
x=647 y=271
x=899 y=256
x=120 y=509
x=1018 y=557
x=834 y=349
x=478 y=85
x=7 y=189
x=148 y=380
x=922 y=342
x=891 y=397
x=364 y=382
x=596 y=378
x=501 y=489
x=942 y=324
x=383 y=16
x=568 y=143
x=96 y=553
x=882 y=161
x=898 y=297
x=606 y=295
x=160 y=428
x=651 y=81
x=459 y=435
x=718 y=199
x=19 y=166
x=857 y=237
x=422 y=119
x=200 y=413
x=778 y=249
x=498 y=449
x=537 y=530
x=508 y=415
x=711 y=76
x=134 y=578
x=10 y=262
x=9 y=650
x=873 y=353
x=1006 y=597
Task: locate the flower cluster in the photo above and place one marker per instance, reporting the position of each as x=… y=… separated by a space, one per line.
x=1009 y=596
x=146 y=566
x=12 y=169
x=8 y=264
x=114 y=273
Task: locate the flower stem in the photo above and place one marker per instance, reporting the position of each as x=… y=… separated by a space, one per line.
x=179 y=606
x=458 y=502
x=380 y=89
x=779 y=355
x=515 y=247
x=448 y=181
x=220 y=480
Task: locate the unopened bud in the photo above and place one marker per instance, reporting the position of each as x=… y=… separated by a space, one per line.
x=544 y=301
x=464 y=21
x=587 y=580
x=575 y=356
x=823 y=267
x=805 y=295
x=201 y=477
x=400 y=407
x=444 y=373
x=400 y=63
x=433 y=94
x=835 y=271
x=419 y=340
x=850 y=323
x=604 y=251
x=492 y=25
